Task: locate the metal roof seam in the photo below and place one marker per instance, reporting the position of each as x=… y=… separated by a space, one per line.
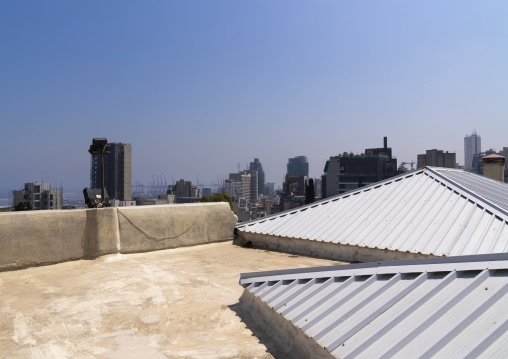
x=439 y=310
x=499 y=293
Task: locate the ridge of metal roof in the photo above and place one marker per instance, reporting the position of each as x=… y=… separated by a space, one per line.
x=484 y=189
x=444 y=307
x=440 y=172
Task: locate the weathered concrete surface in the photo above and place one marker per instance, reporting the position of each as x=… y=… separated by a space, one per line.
x=44 y=237
x=325 y=250
x=177 y=303
x=171 y=226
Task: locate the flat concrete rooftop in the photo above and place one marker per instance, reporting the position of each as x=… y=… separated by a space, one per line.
x=175 y=303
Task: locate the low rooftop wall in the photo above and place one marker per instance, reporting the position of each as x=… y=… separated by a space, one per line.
x=42 y=237
x=325 y=250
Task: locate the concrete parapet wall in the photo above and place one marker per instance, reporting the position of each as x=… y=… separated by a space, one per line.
x=44 y=237
x=325 y=250
x=171 y=226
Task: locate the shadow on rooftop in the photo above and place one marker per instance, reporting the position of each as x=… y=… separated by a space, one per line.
x=263 y=337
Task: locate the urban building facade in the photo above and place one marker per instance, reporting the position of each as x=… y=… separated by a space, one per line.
x=298 y=166
x=184 y=192
x=348 y=171
x=256 y=166
x=437 y=158
x=117 y=171
x=295 y=186
x=39 y=195
x=472 y=146
x=246 y=187
x=269 y=188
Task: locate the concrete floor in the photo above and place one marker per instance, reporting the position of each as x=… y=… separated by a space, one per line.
x=176 y=303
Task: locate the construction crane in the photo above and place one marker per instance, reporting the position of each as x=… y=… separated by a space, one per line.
x=409 y=163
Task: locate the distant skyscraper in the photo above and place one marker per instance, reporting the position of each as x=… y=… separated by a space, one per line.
x=298 y=166
x=472 y=146
x=256 y=165
x=118 y=171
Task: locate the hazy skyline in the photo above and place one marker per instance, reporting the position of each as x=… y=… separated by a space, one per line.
x=198 y=87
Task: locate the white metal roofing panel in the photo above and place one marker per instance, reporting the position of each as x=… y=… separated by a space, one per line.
x=444 y=307
x=430 y=211
x=490 y=189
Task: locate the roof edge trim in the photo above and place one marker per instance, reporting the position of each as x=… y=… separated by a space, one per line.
x=491 y=257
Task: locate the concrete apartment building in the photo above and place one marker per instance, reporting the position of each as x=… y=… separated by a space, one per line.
x=437 y=158
x=39 y=195
x=117 y=170
x=472 y=146
x=184 y=192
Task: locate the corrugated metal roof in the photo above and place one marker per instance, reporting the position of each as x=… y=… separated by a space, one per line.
x=433 y=211
x=489 y=189
x=444 y=307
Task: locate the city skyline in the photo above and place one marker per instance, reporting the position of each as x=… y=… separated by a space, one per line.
x=198 y=88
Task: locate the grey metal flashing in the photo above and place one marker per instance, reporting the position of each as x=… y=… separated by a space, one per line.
x=491 y=257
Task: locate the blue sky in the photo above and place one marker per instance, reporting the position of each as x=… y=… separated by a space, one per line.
x=197 y=87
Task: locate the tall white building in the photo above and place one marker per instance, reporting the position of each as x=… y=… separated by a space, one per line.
x=472 y=146
x=248 y=180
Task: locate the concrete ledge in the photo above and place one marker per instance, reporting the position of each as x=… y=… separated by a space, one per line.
x=325 y=250
x=292 y=340
x=45 y=237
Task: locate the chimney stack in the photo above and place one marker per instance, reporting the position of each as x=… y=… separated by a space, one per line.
x=385 y=141
x=493 y=167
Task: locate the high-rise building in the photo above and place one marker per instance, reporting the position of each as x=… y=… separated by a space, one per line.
x=248 y=183
x=39 y=195
x=298 y=166
x=472 y=146
x=117 y=171
x=253 y=185
x=437 y=158
x=348 y=172
x=256 y=165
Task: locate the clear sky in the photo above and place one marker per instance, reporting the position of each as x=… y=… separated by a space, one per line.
x=197 y=87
